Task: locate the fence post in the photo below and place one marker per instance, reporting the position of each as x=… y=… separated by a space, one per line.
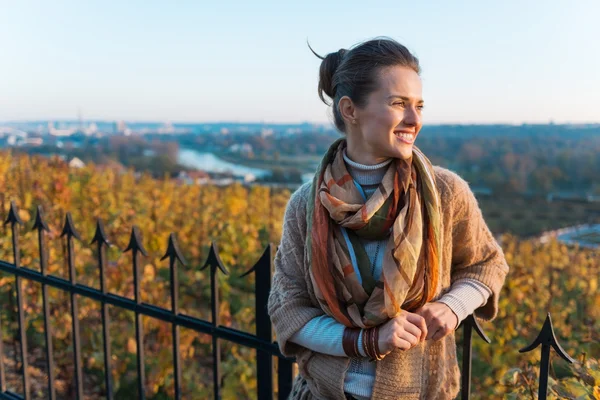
x=2 y=376
x=262 y=287
x=284 y=377
x=174 y=254
x=70 y=231
x=41 y=226
x=214 y=261
x=136 y=247
x=103 y=243
x=14 y=219
x=468 y=325
x=546 y=338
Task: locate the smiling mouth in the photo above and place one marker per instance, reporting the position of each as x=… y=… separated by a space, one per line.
x=405 y=137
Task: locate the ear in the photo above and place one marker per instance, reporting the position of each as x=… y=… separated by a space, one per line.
x=347 y=110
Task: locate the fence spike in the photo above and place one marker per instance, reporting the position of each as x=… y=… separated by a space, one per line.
x=14 y=220
x=135 y=242
x=261 y=261
x=173 y=250
x=469 y=324
x=214 y=259
x=41 y=226
x=13 y=215
x=173 y=254
x=69 y=228
x=548 y=338
x=475 y=324
x=39 y=223
x=100 y=235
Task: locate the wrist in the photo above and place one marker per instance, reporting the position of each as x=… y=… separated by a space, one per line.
x=456 y=315
x=350 y=342
x=370 y=341
x=361 y=347
x=456 y=306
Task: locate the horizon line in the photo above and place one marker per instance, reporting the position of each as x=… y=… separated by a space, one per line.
x=242 y=122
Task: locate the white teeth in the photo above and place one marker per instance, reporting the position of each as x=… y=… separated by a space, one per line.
x=406 y=136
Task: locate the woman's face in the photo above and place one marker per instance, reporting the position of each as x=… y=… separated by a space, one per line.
x=390 y=121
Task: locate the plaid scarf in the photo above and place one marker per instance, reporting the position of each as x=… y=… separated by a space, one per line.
x=405 y=208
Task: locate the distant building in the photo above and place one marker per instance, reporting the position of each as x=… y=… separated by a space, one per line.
x=92 y=129
x=121 y=126
x=167 y=128
x=244 y=149
x=223 y=181
x=248 y=178
x=76 y=163
x=266 y=132
x=194 y=177
x=38 y=141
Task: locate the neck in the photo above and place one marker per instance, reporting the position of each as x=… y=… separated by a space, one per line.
x=366 y=174
x=358 y=155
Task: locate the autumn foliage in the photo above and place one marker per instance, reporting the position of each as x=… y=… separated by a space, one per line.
x=243 y=220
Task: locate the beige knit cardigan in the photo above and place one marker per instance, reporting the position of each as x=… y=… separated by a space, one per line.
x=428 y=370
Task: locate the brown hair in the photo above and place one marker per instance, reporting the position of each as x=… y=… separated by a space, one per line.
x=353 y=72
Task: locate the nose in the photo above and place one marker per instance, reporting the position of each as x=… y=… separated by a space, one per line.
x=411 y=116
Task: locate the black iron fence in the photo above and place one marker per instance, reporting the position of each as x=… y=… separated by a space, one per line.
x=261 y=341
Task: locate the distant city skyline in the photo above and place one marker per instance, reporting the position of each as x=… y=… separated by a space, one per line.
x=511 y=62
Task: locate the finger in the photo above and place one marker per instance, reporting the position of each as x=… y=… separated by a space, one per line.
x=433 y=329
x=420 y=322
x=439 y=334
x=402 y=344
x=414 y=330
x=409 y=337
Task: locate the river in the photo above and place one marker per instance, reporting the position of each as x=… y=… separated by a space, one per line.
x=211 y=163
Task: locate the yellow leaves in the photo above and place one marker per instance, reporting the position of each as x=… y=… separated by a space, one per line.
x=24 y=215
x=190 y=351
x=131 y=345
x=593 y=284
x=241 y=221
x=149 y=273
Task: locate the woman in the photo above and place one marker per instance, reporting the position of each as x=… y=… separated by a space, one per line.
x=382 y=254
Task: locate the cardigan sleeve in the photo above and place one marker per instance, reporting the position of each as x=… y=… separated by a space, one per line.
x=475 y=252
x=465 y=296
x=324 y=334
x=289 y=305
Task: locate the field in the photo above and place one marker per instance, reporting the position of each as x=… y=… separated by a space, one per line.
x=531 y=216
x=544 y=277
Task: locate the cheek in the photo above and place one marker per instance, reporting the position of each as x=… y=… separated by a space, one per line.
x=388 y=119
x=379 y=123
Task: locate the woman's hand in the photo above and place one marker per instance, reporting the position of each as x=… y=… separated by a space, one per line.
x=440 y=319
x=404 y=332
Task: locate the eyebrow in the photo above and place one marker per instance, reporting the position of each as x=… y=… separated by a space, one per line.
x=394 y=96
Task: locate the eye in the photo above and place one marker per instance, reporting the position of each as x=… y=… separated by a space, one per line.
x=420 y=107
x=400 y=103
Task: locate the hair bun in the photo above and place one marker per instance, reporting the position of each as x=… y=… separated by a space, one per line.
x=329 y=66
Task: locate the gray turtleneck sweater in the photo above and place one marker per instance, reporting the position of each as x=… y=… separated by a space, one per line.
x=324 y=334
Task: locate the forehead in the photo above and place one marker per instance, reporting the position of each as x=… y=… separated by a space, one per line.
x=400 y=81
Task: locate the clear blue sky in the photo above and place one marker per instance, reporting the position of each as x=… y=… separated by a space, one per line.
x=483 y=61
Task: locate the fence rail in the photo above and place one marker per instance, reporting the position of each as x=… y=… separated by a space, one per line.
x=261 y=341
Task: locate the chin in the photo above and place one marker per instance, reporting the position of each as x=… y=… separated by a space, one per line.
x=404 y=154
